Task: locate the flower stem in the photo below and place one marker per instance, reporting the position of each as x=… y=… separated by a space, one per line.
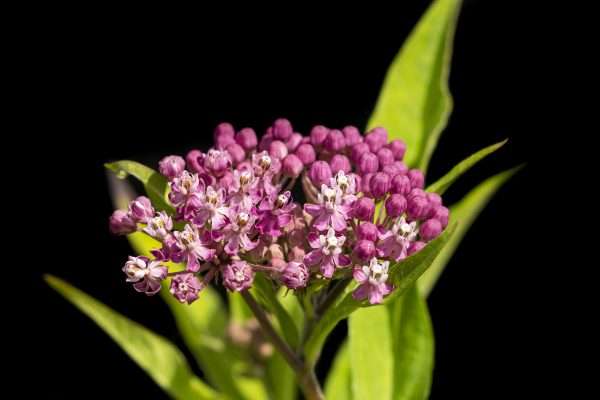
x=306 y=376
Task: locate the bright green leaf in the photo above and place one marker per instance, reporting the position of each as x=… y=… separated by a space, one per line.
x=415 y=102
x=371 y=357
x=155 y=184
x=266 y=295
x=412 y=346
x=464 y=213
x=442 y=184
x=338 y=385
x=154 y=354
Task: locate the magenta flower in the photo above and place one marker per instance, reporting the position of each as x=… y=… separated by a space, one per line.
x=121 y=223
x=183 y=187
x=295 y=275
x=193 y=246
x=395 y=242
x=236 y=233
x=171 y=166
x=238 y=276
x=327 y=252
x=211 y=208
x=372 y=279
x=331 y=210
x=145 y=275
x=141 y=209
x=185 y=287
x=159 y=226
x=275 y=213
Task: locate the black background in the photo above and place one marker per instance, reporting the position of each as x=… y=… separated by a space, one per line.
x=110 y=91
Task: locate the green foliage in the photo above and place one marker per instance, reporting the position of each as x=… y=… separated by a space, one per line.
x=464 y=213
x=414 y=103
x=155 y=185
x=146 y=348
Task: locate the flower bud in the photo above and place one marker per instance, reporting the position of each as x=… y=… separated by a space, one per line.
x=434 y=199
x=141 y=209
x=236 y=152
x=292 y=166
x=385 y=157
x=367 y=231
x=402 y=168
x=391 y=170
x=379 y=185
x=364 y=209
x=417 y=180
x=442 y=214
x=364 y=250
x=293 y=142
x=318 y=135
x=365 y=184
x=246 y=138
x=195 y=160
x=295 y=275
x=352 y=135
x=335 y=141
x=415 y=246
x=306 y=153
x=340 y=162
x=400 y=184
x=358 y=150
x=120 y=223
x=282 y=129
x=430 y=229
x=278 y=149
x=320 y=173
x=398 y=148
x=418 y=207
x=171 y=166
x=368 y=163
x=265 y=141
x=223 y=130
x=376 y=139
x=395 y=205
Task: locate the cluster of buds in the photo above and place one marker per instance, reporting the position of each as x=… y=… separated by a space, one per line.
x=237 y=217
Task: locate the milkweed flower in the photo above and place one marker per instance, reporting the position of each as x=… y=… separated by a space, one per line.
x=332 y=205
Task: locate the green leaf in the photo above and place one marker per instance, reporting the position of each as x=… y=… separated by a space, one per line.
x=447 y=180
x=338 y=384
x=415 y=102
x=203 y=325
x=412 y=347
x=464 y=212
x=280 y=376
x=155 y=184
x=371 y=357
x=240 y=312
x=340 y=310
x=163 y=362
x=267 y=296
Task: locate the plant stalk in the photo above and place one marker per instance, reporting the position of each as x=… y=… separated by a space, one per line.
x=306 y=376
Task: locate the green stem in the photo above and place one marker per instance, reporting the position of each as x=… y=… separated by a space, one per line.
x=306 y=376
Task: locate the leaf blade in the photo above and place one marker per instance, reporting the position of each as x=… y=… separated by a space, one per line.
x=146 y=348
x=413 y=346
x=155 y=184
x=372 y=368
x=442 y=184
x=465 y=212
x=415 y=102
x=338 y=383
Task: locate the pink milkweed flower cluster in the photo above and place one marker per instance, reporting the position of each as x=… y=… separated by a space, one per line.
x=235 y=216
